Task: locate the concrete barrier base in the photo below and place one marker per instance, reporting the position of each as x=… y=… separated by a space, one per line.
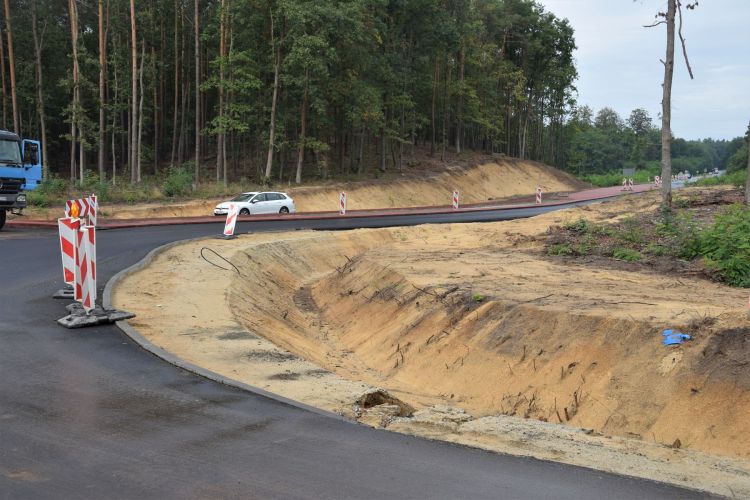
x=97 y=316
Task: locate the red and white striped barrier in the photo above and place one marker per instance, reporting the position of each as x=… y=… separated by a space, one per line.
x=342 y=203
x=231 y=219
x=657 y=181
x=85 y=269
x=538 y=196
x=630 y=184
x=455 y=199
x=67 y=228
x=87 y=207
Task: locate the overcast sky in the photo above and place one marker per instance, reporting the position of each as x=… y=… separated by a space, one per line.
x=618 y=62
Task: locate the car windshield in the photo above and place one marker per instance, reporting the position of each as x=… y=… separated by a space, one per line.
x=9 y=152
x=243 y=197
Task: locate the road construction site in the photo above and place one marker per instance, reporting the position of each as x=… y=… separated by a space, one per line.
x=467 y=333
x=471 y=333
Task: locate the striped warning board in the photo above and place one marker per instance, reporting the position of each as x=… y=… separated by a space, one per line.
x=231 y=219
x=342 y=203
x=85 y=273
x=538 y=196
x=455 y=199
x=87 y=208
x=67 y=228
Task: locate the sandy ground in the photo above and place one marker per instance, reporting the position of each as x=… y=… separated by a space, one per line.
x=477 y=337
x=491 y=180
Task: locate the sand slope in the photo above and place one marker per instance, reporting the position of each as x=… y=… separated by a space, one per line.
x=469 y=325
x=488 y=180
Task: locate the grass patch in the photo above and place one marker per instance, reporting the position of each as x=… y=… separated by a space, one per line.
x=705 y=234
x=626 y=254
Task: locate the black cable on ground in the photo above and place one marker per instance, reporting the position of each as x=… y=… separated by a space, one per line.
x=222 y=258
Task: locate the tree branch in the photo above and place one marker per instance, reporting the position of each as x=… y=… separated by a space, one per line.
x=657 y=23
x=682 y=39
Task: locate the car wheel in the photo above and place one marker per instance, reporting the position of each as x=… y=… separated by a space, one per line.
x=284 y=210
x=244 y=211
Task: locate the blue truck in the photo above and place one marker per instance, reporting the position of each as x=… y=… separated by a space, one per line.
x=20 y=171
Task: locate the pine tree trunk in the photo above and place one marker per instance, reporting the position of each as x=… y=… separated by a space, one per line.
x=747 y=181
x=301 y=148
x=12 y=66
x=446 y=108
x=272 y=126
x=196 y=26
x=39 y=91
x=220 y=167
x=182 y=146
x=73 y=15
x=114 y=122
x=460 y=110
x=133 y=148
x=2 y=77
x=435 y=76
x=141 y=93
x=102 y=98
x=155 y=97
x=666 y=111
x=177 y=70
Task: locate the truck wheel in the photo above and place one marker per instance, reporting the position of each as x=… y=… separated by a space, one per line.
x=2 y=218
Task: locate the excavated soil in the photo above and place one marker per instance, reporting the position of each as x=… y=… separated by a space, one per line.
x=470 y=333
x=485 y=178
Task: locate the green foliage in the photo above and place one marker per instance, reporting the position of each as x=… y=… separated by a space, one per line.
x=598 y=149
x=725 y=245
x=580 y=226
x=680 y=233
x=626 y=254
x=736 y=178
x=477 y=297
x=178 y=182
x=560 y=249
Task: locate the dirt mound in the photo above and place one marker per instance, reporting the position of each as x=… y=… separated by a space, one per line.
x=485 y=179
x=476 y=316
x=471 y=334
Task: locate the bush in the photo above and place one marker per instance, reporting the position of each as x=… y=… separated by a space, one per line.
x=736 y=179
x=681 y=233
x=179 y=181
x=560 y=249
x=580 y=226
x=627 y=254
x=725 y=245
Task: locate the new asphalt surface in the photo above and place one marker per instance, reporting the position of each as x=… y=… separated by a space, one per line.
x=89 y=414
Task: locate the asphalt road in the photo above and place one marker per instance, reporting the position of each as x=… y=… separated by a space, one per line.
x=89 y=414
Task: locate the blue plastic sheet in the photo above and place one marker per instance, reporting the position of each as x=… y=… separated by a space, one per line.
x=672 y=338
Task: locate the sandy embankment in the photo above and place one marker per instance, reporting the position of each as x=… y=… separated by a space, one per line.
x=492 y=180
x=472 y=327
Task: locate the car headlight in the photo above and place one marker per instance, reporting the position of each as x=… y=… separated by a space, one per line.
x=21 y=198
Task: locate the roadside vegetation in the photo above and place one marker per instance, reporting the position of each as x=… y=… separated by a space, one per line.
x=707 y=234
x=602 y=145
x=175 y=183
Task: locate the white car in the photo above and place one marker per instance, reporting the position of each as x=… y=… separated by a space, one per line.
x=267 y=202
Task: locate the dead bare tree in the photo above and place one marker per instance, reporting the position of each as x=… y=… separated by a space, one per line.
x=674 y=10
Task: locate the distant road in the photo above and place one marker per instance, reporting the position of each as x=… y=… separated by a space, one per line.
x=88 y=414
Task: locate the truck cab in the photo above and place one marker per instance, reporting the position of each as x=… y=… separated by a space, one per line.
x=20 y=170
